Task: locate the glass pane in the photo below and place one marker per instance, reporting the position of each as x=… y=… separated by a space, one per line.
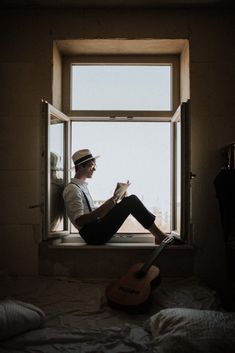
x=99 y=87
x=56 y=138
x=134 y=151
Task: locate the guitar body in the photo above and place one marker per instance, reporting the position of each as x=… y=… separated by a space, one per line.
x=132 y=293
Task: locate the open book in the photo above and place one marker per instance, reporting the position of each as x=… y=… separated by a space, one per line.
x=121 y=189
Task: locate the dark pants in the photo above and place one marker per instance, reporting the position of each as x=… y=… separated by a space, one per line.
x=102 y=230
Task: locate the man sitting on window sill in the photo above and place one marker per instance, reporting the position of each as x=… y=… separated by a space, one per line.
x=97 y=225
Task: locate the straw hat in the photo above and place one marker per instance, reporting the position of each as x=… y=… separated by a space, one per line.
x=82 y=156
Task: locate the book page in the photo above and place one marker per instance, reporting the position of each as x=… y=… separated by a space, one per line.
x=121 y=189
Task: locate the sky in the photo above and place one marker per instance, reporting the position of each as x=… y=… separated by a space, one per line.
x=121 y=87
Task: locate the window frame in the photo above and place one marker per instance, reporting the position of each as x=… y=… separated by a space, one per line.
x=122 y=116
x=47 y=112
x=182 y=116
x=68 y=61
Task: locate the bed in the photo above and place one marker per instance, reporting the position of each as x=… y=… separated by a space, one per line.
x=58 y=314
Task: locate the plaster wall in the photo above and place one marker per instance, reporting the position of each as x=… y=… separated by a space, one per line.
x=26 y=76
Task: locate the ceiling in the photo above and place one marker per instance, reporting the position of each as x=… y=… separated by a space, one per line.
x=57 y=4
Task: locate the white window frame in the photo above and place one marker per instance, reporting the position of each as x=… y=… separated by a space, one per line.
x=119 y=115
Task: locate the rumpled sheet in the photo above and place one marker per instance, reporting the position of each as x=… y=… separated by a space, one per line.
x=192 y=330
x=78 y=318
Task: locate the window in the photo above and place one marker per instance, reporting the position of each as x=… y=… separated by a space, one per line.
x=140 y=86
x=128 y=114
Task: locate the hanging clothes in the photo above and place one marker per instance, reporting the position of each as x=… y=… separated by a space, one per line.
x=225 y=192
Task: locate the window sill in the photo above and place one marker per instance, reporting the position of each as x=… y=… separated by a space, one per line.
x=76 y=242
x=115 y=246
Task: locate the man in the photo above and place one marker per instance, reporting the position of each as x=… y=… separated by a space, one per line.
x=97 y=225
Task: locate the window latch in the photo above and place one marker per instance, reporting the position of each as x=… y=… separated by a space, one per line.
x=192 y=175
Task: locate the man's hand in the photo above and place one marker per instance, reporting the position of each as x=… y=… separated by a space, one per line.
x=114 y=199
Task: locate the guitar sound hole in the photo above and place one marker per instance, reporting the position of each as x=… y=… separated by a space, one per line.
x=129 y=290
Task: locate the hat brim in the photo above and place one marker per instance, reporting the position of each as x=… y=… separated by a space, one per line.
x=85 y=160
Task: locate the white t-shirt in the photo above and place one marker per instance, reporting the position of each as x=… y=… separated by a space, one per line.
x=75 y=202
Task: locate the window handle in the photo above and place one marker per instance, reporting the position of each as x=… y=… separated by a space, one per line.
x=192 y=175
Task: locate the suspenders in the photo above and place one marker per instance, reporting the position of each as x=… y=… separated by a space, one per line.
x=87 y=201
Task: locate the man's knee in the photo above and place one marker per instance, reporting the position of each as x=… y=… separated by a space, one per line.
x=132 y=198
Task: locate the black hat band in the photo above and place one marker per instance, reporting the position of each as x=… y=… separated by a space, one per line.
x=80 y=160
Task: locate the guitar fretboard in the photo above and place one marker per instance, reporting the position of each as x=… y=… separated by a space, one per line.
x=148 y=263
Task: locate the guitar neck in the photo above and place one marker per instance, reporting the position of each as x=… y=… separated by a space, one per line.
x=153 y=257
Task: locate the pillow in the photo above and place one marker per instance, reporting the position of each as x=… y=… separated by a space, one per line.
x=17 y=317
x=192 y=330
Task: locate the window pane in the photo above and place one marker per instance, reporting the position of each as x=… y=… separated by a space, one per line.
x=99 y=87
x=56 y=139
x=135 y=151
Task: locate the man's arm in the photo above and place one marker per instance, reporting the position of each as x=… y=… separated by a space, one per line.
x=99 y=212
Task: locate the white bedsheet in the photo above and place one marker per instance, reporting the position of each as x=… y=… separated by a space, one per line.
x=78 y=318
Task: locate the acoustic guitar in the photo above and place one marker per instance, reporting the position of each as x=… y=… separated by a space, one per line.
x=132 y=292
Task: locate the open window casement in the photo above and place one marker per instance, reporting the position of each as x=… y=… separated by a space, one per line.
x=180 y=171
x=55 y=131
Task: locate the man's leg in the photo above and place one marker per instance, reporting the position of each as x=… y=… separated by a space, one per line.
x=110 y=223
x=131 y=205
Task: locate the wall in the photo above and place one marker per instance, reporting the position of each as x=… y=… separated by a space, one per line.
x=184 y=75
x=26 y=77
x=212 y=76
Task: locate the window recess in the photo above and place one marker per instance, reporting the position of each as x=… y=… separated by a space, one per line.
x=133 y=99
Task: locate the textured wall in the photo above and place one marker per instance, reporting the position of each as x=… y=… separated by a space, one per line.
x=26 y=77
